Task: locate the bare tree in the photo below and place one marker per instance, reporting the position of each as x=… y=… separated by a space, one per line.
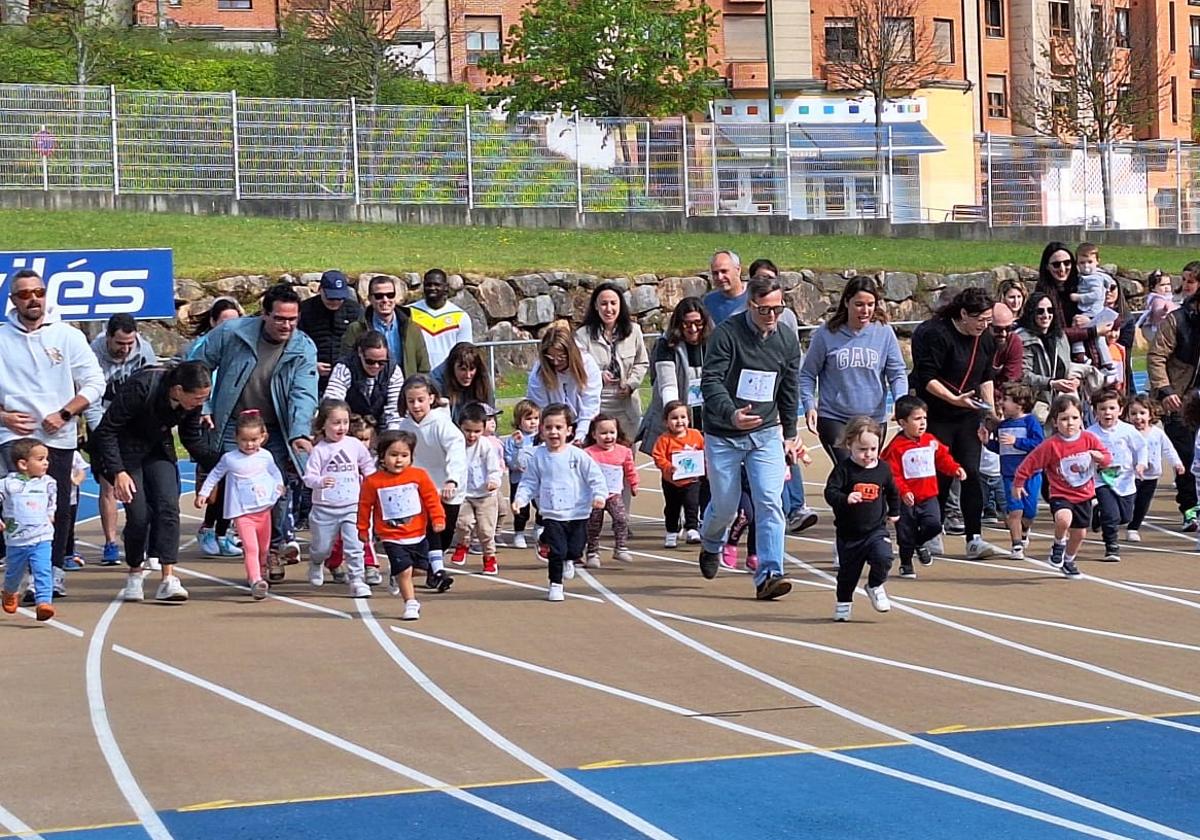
x=1096 y=87
x=81 y=29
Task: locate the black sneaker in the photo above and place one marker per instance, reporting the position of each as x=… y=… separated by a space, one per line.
x=28 y=599
x=773 y=587
x=1057 y=554
x=438 y=581
x=924 y=556
x=907 y=571
x=1070 y=569
x=954 y=526
x=1112 y=553
x=710 y=561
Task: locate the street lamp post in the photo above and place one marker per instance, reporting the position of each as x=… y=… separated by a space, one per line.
x=770 y=61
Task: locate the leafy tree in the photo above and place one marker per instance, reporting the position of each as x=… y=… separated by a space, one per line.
x=85 y=31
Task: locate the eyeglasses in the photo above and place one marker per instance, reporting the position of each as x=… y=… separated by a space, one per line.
x=383 y=295
x=1062 y=263
x=26 y=294
x=769 y=311
x=281 y=320
x=693 y=325
x=374 y=362
x=1044 y=310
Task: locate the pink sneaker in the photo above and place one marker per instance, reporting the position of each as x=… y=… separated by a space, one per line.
x=752 y=562
x=729 y=556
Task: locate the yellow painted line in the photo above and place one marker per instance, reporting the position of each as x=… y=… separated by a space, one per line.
x=600 y=765
x=946 y=730
x=204 y=806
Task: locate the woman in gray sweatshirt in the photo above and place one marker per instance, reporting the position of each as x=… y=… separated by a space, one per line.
x=852 y=362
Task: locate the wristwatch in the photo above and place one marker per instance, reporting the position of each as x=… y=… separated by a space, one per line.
x=65 y=415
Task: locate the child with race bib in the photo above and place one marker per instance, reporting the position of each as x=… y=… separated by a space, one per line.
x=27 y=499
x=1018 y=434
x=1143 y=414
x=608 y=447
x=679 y=455
x=404 y=506
x=254 y=485
x=1067 y=460
x=1116 y=491
x=481 y=508
x=334 y=473
x=517 y=448
x=442 y=453
x=568 y=486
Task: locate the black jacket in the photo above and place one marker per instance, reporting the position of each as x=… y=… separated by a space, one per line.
x=139 y=423
x=363 y=398
x=327 y=327
x=960 y=362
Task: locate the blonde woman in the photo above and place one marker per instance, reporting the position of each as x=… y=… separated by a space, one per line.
x=562 y=373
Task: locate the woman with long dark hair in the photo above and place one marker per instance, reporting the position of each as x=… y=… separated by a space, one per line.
x=675 y=367
x=463 y=378
x=614 y=341
x=1047 y=354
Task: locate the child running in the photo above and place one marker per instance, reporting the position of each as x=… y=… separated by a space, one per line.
x=916 y=457
x=253 y=487
x=1116 y=491
x=362 y=428
x=27 y=502
x=1018 y=434
x=863 y=495
x=679 y=455
x=1143 y=414
x=1068 y=459
x=481 y=508
x=517 y=448
x=334 y=473
x=608 y=447
x=568 y=486
x=441 y=452
x=403 y=505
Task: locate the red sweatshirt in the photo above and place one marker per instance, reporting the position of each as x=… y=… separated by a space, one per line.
x=916 y=463
x=1067 y=465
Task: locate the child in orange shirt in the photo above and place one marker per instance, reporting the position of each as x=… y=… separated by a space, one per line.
x=401 y=501
x=680 y=493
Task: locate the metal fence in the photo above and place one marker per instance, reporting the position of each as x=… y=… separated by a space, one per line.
x=98 y=138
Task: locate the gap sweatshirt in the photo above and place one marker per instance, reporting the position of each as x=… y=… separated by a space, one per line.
x=854 y=372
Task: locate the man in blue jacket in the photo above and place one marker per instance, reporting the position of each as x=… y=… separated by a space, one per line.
x=265 y=363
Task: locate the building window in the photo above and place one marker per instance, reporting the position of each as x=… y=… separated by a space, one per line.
x=1060 y=19
x=234 y=4
x=997 y=97
x=841 y=39
x=994 y=18
x=1122 y=26
x=1060 y=104
x=1171 y=24
x=1174 y=101
x=943 y=41
x=745 y=38
x=483 y=36
x=899 y=34
x=310 y=5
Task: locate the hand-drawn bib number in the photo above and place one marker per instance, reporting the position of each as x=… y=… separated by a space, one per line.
x=757 y=385
x=400 y=502
x=343 y=492
x=918 y=463
x=1076 y=469
x=695 y=396
x=688 y=463
x=614 y=477
x=31 y=509
x=256 y=491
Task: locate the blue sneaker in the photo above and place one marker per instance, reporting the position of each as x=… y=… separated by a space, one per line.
x=112 y=554
x=73 y=563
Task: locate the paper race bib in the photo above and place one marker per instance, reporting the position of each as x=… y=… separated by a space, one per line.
x=555 y=497
x=1077 y=469
x=31 y=509
x=344 y=491
x=757 y=385
x=918 y=463
x=1009 y=448
x=695 y=396
x=256 y=491
x=476 y=476
x=400 y=502
x=614 y=477
x=688 y=463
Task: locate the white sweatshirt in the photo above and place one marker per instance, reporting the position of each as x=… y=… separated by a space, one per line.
x=43 y=370
x=484 y=465
x=28 y=508
x=1128 y=449
x=565 y=484
x=254 y=484
x=441 y=450
x=1159 y=452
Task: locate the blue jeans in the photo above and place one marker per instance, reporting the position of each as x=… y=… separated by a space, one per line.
x=761 y=452
x=281 y=514
x=35 y=558
x=793 y=491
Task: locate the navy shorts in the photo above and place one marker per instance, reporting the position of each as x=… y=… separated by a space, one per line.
x=403 y=556
x=1081 y=512
x=1028 y=505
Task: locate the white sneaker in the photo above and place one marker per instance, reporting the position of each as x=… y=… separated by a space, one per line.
x=1017 y=552
x=623 y=555
x=1133 y=536
x=152 y=564
x=841 y=611
x=227 y=547
x=372 y=576
x=555 y=593
x=59 y=578
x=568 y=570
x=593 y=560
x=692 y=536
x=980 y=549
x=935 y=545
x=134 y=589
x=879 y=599
x=289 y=554
x=359 y=589
x=394 y=585
x=670 y=540
x=518 y=540
x=259 y=589
x=171 y=590
x=316 y=573
x=412 y=611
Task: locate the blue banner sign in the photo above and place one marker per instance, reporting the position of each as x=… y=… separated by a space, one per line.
x=92 y=285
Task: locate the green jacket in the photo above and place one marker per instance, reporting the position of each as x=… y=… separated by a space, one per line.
x=416 y=357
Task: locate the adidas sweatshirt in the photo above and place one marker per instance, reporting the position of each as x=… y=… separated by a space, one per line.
x=346 y=462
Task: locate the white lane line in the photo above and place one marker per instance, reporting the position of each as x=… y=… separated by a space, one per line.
x=879 y=726
x=11 y=823
x=1164 y=588
x=308 y=605
x=522 y=585
x=375 y=758
x=1024 y=648
x=54 y=622
x=770 y=737
x=122 y=775
x=489 y=734
x=934 y=672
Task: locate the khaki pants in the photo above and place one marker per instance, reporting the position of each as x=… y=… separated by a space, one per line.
x=480 y=514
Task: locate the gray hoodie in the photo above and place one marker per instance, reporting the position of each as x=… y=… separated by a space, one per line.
x=116 y=372
x=854 y=370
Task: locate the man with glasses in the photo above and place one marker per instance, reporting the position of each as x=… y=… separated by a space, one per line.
x=266 y=364
x=405 y=346
x=48 y=376
x=1009 y=358
x=751 y=397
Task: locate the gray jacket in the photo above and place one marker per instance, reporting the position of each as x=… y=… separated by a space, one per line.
x=1040 y=366
x=116 y=372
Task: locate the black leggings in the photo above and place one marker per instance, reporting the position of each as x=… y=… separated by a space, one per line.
x=829 y=432
x=677 y=498
x=962 y=439
x=152 y=517
x=521 y=519
x=1141 y=502
x=443 y=541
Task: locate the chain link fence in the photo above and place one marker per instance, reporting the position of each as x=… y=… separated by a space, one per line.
x=295 y=149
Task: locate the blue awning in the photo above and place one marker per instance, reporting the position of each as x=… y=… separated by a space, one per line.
x=853 y=140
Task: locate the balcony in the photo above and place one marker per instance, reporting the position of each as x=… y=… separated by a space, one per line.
x=748 y=75
x=1194 y=60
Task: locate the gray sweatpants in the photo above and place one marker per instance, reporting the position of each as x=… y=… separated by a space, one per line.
x=325 y=524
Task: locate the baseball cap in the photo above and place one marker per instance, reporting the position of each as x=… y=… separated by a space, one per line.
x=334 y=285
x=489 y=410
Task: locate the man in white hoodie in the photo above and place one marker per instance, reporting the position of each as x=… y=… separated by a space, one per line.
x=49 y=376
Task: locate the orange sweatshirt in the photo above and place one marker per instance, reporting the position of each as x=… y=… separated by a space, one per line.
x=667 y=445
x=422 y=499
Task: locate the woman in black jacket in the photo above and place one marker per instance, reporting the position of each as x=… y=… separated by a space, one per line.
x=134 y=448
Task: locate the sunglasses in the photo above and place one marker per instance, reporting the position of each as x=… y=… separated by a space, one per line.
x=1062 y=264
x=1044 y=310
x=384 y=295
x=693 y=325
x=26 y=294
x=374 y=362
x=766 y=311
x=998 y=330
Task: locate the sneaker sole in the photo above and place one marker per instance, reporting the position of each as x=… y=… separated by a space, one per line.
x=173 y=599
x=778 y=588
x=909 y=575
